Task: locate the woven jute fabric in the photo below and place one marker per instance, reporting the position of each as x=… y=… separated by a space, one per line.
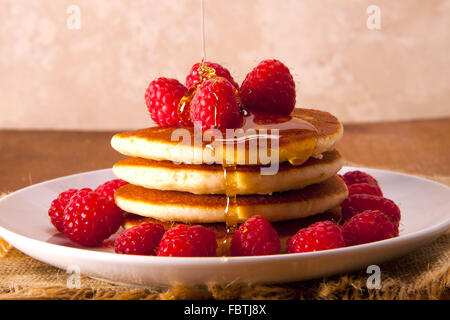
x=422 y=274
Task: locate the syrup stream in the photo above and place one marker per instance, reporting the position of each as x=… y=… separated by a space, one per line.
x=229 y=171
x=286 y=125
x=231 y=209
x=202 y=28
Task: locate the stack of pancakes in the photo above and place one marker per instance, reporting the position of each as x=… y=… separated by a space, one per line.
x=168 y=186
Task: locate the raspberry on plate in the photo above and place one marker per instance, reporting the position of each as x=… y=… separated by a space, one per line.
x=322 y=235
x=368 y=226
x=357 y=203
x=56 y=211
x=356 y=176
x=108 y=188
x=141 y=240
x=364 y=188
x=188 y=241
x=256 y=236
x=215 y=105
x=162 y=98
x=90 y=218
x=269 y=88
x=194 y=77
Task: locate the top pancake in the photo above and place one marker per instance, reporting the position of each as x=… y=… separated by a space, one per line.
x=296 y=146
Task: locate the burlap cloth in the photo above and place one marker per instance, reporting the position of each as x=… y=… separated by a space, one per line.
x=422 y=274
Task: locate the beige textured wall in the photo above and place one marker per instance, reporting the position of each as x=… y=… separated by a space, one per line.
x=95 y=77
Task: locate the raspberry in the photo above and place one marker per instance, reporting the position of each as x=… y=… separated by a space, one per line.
x=269 y=88
x=89 y=218
x=256 y=236
x=215 y=105
x=188 y=241
x=321 y=235
x=162 y=98
x=353 y=177
x=193 y=77
x=364 y=188
x=108 y=189
x=56 y=211
x=368 y=226
x=360 y=202
x=142 y=239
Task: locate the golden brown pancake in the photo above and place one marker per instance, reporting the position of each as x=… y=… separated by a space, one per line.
x=191 y=208
x=285 y=229
x=209 y=179
x=293 y=145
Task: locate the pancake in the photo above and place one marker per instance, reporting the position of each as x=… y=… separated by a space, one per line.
x=209 y=179
x=310 y=133
x=191 y=208
x=285 y=229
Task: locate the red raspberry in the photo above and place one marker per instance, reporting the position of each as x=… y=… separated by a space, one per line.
x=162 y=98
x=255 y=237
x=90 y=218
x=194 y=78
x=322 y=235
x=56 y=211
x=108 y=188
x=188 y=241
x=361 y=202
x=353 y=177
x=269 y=88
x=368 y=226
x=215 y=105
x=347 y=211
x=364 y=188
x=142 y=239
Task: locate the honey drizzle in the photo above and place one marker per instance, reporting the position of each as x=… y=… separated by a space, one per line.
x=183 y=106
x=286 y=125
x=202 y=28
x=249 y=122
x=229 y=171
x=260 y=125
x=204 y=73
x=231 y=209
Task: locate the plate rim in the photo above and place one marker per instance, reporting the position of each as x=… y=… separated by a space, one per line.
x=190 y=261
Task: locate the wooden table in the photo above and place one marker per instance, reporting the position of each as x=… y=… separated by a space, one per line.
x=417 y=147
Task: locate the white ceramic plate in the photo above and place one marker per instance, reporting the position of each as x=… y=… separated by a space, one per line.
x=425 y=207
